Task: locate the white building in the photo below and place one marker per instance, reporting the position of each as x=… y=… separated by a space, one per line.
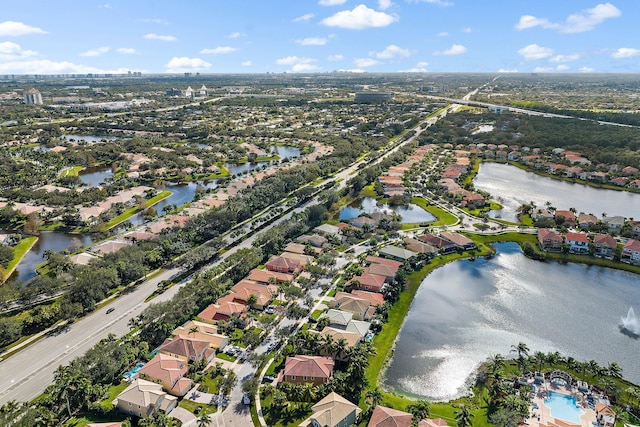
x=33 y=96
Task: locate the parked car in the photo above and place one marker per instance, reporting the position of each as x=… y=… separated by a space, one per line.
x=269 y=310
x=268 y=379
x=110 y=310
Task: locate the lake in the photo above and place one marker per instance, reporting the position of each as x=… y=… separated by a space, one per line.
x=411 y=214
x=88 y=138
x=512 y=187
x=48 y=240
x=95 y=176
x=465 y=312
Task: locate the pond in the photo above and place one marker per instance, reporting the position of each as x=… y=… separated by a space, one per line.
x=88 y=138
x=95 y=176
x=411 y=214
x=48 y=240
x=512 y=187
x=467 y=311
x=285 y=151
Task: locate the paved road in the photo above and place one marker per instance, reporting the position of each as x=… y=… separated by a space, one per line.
x=27 y=373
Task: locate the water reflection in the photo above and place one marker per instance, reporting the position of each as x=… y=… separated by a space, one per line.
x=411 y=214
x=513 y=187
x=467 y=311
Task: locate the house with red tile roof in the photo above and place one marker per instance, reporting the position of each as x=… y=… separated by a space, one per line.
x=420 y=247
x=387 y=271
x=443 y=245
x=384 y=261
x=631 y=252
x=578 y=242
x=169 y=372
x=369 y=282
x=373 y=297
x=242 y=291
x=550 y=240
x=388 y=417
x=569 y=217
x=283 y=265
x=302 y=369
x=224 y=310
x=202 y=331
x=432 y=422
x=187 y=349
x=266 y=276
x=605 y=245
x=605 y=415
x=303 y=260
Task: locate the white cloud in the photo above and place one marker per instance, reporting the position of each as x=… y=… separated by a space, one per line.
x=442 y=3
x=565 y=58
x=298 y=64
x=586 y=20
x=586 y=70
x=456 y=49
x=127 y=50
x=359 y=18
x=304 y=18
x=105 y=6
x=183 y=64
x=218 y=50
x=466 y=30
x=625 y=52
x=45 y=66
x=96 y=52
x=247 y=64
x=392 y=51
x=11 y=51
x=543 y=70
x=533 y=52
x=562 y=67
x=422 y=64
x=152 y=36
x=337 y=57
x=421 y=67
x=365 y=62
x=236 y=35
x=312 y=41
x=331 y=2
x=384 y=4
x=443 y=34
x=508 y=70
x=13 y=28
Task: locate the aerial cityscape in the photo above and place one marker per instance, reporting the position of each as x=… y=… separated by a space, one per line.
x=410 y=213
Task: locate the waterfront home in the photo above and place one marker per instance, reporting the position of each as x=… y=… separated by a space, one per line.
x=302 y=369
x=332 y=411
x=586 y=221
x=143 y=399
x=359 y=327
x=459 y=240
x=445 y=246
x=420 y=247
x=363 y=221
x=578 y=242
x=568 y=216
x=169 y=373
x=550 y=240
x=351 y=338
x=369 y=282
x=540 y=214
x=388 y=417
x=635 y=227
x=360 y=308
x=605 y=245
x=631 y=252
x=614 y=223
x=337 y=318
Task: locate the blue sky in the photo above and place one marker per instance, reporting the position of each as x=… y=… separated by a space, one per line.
x=257 y=36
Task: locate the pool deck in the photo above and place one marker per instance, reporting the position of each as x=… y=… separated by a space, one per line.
x=542 y=417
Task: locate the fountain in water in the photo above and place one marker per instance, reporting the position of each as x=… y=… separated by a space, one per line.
x=630 y=324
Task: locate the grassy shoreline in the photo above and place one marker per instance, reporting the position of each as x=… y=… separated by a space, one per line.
x=19 y=251
x=128 y=213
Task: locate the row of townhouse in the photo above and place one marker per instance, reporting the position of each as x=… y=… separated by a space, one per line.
x=604 y=245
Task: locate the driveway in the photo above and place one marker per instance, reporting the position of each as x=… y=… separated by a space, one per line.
x=183 y=415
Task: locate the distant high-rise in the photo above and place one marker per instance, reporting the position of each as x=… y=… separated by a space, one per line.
x=33 y=96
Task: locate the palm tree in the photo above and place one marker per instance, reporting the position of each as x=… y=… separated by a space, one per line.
x=373 y=397
x=614 y=370
x=308 y=392
x=203 y=419
x=464 y=417
x=193 y=330
x=523 y=351
x=539 y=359
x=420 y=409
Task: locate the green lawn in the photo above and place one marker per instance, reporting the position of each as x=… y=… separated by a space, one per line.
x=443 y=217
x=72 y=171
x=128 y=213
x=192 y=406
x=19 y=251
x=113 y=392
x=291 y=416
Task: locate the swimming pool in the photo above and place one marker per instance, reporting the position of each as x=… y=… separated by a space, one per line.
x=564 y=407
x=132 y=373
